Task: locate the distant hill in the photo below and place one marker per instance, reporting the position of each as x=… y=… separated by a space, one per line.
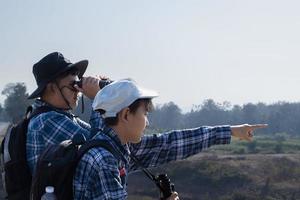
x=226 y=177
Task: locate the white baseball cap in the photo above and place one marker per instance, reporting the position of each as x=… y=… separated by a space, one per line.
x=118 y=95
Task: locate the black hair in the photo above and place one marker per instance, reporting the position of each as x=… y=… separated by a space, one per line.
x=111 y=121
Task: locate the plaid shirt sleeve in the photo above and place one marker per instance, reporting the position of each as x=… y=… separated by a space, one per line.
x=97 y=177
x=158 y=149
x=52 y=128
x=96 y=122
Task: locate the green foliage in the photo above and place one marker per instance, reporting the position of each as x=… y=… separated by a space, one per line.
x=281 y=137
x=278 y=148
x=252 y=147
x=239 y=151
x=262 y=145
x=16 y=100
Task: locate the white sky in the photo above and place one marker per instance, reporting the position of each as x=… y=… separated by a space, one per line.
x=188 y=50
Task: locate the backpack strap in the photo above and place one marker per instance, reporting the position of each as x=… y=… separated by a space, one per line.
x=97 y=143
x=30 y=113
x=106 y=145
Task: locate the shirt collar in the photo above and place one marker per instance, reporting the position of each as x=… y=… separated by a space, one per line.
x=39 y=103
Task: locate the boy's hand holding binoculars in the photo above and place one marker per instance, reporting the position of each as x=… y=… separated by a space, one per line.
x=174 y=196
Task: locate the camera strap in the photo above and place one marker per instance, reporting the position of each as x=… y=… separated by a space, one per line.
x=147 y=172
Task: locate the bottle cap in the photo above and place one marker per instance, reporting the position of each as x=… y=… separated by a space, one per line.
x=49 y=189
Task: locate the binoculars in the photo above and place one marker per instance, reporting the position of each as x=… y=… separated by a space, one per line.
x=102 y=83
x=165 y=186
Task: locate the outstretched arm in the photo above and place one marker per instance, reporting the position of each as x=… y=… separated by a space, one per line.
x=158 y=149
x=162 y=148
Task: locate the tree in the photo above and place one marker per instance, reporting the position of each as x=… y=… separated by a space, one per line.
x=167 y=116
x=16 y=100
x=250 y=113
x=208 y=113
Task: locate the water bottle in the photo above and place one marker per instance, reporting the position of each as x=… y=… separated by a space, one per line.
x=49 y=195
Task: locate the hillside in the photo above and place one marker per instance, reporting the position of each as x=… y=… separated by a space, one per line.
x=225 y=177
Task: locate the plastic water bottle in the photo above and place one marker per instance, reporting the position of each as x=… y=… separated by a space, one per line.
x=49 y=195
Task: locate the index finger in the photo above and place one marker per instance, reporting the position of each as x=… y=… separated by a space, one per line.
x=256 y=126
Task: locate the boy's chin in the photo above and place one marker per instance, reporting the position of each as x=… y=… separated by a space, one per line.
x=137 y=140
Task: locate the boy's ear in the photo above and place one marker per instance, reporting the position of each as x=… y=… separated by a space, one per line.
x=124 y=114
x=50 y=88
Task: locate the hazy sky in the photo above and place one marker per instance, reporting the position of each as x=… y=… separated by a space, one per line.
x=188 y=50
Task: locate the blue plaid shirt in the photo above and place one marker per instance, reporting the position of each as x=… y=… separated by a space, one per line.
x=100 y=175
x=52 y=128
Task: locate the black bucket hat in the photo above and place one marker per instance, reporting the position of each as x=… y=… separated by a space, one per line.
x=50 y=67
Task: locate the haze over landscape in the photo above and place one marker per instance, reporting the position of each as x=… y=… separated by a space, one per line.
x=237 y=51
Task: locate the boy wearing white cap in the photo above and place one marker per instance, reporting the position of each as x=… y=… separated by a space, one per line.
x=124 y=106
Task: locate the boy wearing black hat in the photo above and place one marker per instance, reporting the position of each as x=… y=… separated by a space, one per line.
x=55 y=76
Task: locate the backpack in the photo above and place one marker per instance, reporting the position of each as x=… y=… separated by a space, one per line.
x=57 y=165
x=16 y=176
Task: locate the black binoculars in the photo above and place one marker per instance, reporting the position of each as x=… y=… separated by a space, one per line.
x=102 y=83
x=165 y=186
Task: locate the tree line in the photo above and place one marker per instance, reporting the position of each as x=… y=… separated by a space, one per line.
x=281 y=116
